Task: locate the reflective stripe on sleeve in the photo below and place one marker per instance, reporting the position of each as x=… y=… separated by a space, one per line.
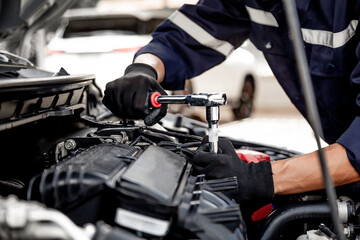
x=262 y=17
x=311 y=36
x=200 y=35
x=330 y=39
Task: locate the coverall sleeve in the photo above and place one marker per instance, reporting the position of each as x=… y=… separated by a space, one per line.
x=197 y=37
x=350 y=139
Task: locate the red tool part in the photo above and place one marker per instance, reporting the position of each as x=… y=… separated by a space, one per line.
x=252 y=156
x=153 y=99
x=262 y=213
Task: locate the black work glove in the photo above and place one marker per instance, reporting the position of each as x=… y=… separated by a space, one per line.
x=128 y=97
x=254 y=179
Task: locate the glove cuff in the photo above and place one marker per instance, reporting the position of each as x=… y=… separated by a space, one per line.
x=260 y=185
x=143 y=68
x=267 y=178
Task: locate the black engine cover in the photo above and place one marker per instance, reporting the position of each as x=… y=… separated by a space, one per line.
x=149 y=190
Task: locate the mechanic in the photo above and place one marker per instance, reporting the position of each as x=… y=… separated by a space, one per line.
x=198 y=37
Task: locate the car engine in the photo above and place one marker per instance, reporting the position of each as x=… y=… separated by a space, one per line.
x=71 y=170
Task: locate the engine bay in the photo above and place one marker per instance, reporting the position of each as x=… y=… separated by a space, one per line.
x=71 y=170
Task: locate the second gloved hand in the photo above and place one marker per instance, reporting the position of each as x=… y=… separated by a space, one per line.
x=254 y=179
x=128 y=97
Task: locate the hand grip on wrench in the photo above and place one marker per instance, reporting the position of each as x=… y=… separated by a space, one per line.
x=212 y=103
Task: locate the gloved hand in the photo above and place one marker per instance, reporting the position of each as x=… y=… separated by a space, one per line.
x=254 y=179
x=128 y=96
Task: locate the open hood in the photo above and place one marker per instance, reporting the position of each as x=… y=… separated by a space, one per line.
x=19 y=19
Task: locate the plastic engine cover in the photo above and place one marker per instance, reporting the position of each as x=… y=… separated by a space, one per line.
x=147 y=191
x=107 y=179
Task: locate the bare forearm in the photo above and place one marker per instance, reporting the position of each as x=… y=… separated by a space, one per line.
x=153 y=61
x=303 y=173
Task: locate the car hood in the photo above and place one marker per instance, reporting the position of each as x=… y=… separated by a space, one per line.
x=19 y=19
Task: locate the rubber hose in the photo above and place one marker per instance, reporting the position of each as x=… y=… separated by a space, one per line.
x=282 y=217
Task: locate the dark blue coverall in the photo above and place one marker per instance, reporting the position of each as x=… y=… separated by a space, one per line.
x=198 y=37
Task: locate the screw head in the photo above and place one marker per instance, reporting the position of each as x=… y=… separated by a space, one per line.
x=70 y=144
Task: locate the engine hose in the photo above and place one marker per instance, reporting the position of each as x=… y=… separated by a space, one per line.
x=177 y=135
x=282 y=217
x=183 y=147
x=139 y=138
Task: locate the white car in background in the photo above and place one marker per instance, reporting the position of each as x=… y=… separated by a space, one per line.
x=236 y=77
x=100 y=43
x=105 y=43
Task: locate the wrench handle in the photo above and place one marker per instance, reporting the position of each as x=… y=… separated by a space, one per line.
x=157 y=99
